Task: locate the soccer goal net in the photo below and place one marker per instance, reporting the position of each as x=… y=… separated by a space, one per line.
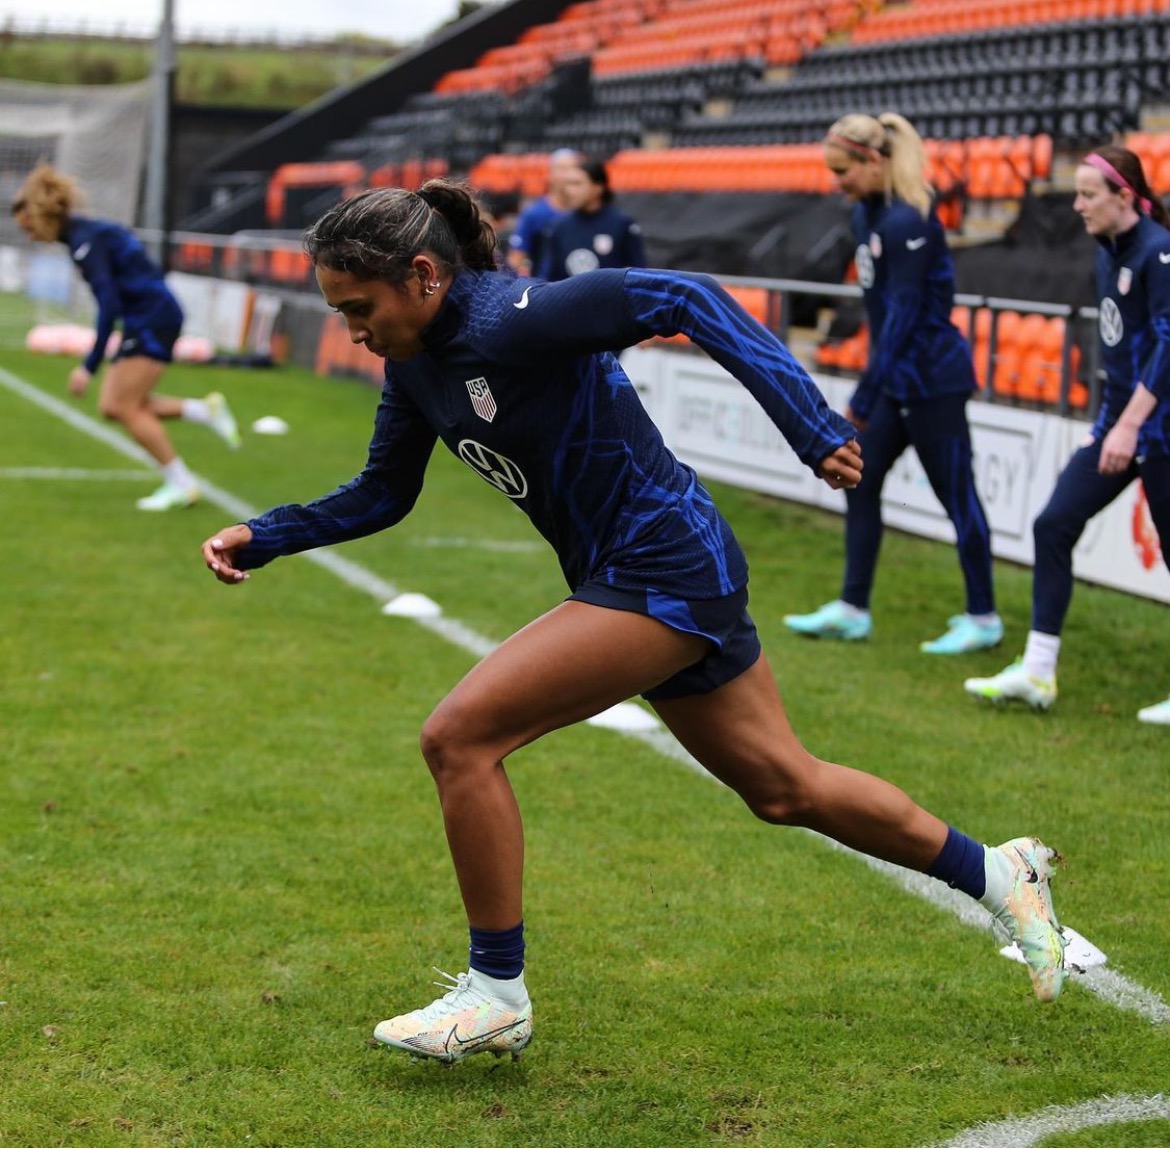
x=98 y=135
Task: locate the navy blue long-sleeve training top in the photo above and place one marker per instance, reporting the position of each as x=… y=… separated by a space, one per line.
x=519 y=380
x=1133 y=292
x=908 y=278
x=125 y=282
x=583 y=241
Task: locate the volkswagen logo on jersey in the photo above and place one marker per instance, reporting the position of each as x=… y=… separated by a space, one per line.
x=580 y=260
x=1110 y=323
x=864 y=266
x=481 y=397
x=502 y=473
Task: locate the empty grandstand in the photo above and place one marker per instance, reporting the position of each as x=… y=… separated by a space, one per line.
x=709 y=114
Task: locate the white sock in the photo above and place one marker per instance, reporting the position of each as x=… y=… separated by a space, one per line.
x=985 y=619
x=511 y=991
x=195 y=411
x=997 y=873
x=852 y=611
x=175 y=472
x=1041 y=653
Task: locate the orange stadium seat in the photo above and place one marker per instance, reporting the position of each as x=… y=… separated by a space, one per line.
x=754 y=300
x=1006 y=368
x=349 y=175
x=1032 y=348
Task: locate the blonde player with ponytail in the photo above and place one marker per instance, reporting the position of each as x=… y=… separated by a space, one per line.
x=914 y=390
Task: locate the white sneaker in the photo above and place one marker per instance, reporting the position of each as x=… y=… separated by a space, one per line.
x=1158 y=714
x=1019 y=896
x=169 y=498
x=1014 y=684
x=467 y=1019
x=223 y=422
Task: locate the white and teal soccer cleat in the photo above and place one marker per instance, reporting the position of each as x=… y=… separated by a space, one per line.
x=1158 y=714
x=1019 y=896
x=835 y=619
x=1014 y=684
x=965 y=634
x=223 y=422
x=467 y=1019
x=169 y=497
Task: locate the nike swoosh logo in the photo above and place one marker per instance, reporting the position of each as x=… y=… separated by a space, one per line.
x=1164 y=257
x=81 y=252
x=1032 y=877
x=915 y=244
x=469 y=1043
x=523 y=300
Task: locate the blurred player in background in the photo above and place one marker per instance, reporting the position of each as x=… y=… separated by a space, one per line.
x=129 y=287
x=915 y=387
x=1130 y=438
x=519 y=380
x=526 y=243
x=594 y=233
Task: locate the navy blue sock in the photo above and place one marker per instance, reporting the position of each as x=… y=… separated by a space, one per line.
x=960 y=864
x=498 y=953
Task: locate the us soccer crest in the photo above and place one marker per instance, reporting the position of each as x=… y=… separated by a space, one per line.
x=1124 y=281
x=482 y=399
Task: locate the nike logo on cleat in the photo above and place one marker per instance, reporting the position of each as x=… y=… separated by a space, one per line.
x=1033 y=876
x=469 y=1044
x=523 y=300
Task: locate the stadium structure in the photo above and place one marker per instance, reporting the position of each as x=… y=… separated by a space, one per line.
x=709 y=114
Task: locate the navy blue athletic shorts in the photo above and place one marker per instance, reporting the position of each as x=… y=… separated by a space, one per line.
x=725 y=621
x=154 y=336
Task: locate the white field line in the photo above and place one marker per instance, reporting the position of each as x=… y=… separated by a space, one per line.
x=1057 y=1119
x=77 y=474
x=502 y=546
x=1107 y=984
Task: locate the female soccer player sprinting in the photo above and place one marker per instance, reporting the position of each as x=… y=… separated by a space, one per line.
x=915 y=387
x=1130 y=437
x=129 y=287
x=518 y=378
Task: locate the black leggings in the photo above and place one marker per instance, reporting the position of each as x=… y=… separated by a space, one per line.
x=937 y=430
x=1080 y=493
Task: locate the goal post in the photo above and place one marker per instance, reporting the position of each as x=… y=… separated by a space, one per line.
x=98 y=134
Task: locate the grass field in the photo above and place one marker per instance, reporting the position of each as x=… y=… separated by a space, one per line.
x=223 y=862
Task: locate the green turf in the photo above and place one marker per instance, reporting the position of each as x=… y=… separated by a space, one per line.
x=222 y=859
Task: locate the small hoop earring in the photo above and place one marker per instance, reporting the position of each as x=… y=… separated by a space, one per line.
x=431 y=288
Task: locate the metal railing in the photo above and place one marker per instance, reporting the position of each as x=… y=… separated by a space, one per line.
x=278 y=263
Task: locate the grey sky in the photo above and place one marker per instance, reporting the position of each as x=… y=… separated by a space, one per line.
x=402 y=20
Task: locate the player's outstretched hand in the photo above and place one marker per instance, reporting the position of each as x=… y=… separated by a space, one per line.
x=220 y=551
x=79 y=379
x=842 y=469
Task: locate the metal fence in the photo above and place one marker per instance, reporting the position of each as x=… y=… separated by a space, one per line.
x=277 y=262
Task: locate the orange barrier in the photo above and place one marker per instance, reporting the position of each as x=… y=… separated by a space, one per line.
x=986 y=167
x=778 y=167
